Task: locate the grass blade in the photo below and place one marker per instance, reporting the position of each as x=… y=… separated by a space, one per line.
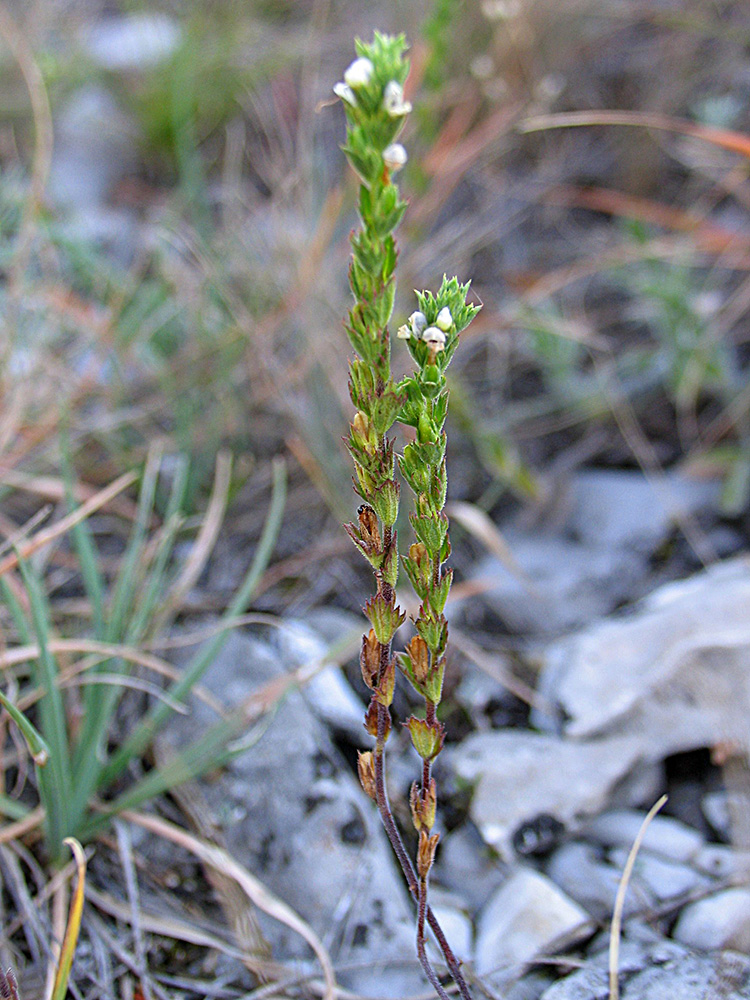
x=60 y=987
x=144 y=732
x=34 y=739
x=55 y=781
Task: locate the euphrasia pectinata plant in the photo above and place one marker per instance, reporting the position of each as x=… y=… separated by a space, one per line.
x=373 y=98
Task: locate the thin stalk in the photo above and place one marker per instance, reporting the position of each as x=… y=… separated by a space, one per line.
x=392 y=832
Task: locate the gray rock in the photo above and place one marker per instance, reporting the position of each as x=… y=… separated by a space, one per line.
x=300 y=822
x=93 y=150
x=665 y=971
x=675 y=672
x=463 y=864
x=616 y=508
x=718 y=921
x=721 y=861
x=591 y=881
x=456 y=925
x=562 y=585
x=715 y=807
x=136 y=42
x=659 y=877
x=526 y=917
x=327 y=690
x=519 y=776
x=596 y=558
x=665 y=836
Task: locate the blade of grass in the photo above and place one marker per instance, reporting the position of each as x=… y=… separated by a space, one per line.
x=616 y=928
x=736 y=142
x=145 y=730
x=211 y=751
x=34 y=739
x=16 y=611
x=54 y=781
x=12 y=808
x=204 y=543
x=65 y=962
x=101 y=701
x=84 y=546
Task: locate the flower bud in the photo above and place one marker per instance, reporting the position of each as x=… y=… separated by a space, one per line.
x=369 y=658
x=395 y=157
x=359 y=73
x=385 y=617
x=403 y=332
x=419 y=655
x=444 y=320
x=423 y=806
x=387 y=685
x=427 y=737
x=393 y=100
x=366 y=771
x=345 y=92
x=371 y=719
x=368 y=526
x=426 y=852
x=435 y=337
x=418 y=322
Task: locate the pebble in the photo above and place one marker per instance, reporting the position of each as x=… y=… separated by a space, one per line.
x=663 y=971
x=619 y=508
x=718 y=921
x=135 y=42
x=521 y=777
x=665 y=836
x=661 y=878
x=526 y=917
x=295 y=815
x=673 y=671
x=572 y=583
x=592 y=882
x=721 y=861
x=93 y=150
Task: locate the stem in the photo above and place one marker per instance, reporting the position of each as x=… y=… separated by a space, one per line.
x=421 y=951
x=389 y=824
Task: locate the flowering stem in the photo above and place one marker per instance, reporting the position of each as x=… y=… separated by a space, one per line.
x=373 y=100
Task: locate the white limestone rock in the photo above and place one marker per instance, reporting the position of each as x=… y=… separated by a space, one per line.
x=520 y=776
x=674 y=671
x=718 y=921
x=527 y=917
x=664 y=835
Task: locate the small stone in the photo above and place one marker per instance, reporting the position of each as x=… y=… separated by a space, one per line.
x=572 y=583
x=674 y=670
x=457 y=928
x=665 y=836
x=719 y=921
x=664 y=879
x=135 y=42
x=525 y=918
x=619 y=508
x=721 y=861
x=590 y=881
x=522 y=776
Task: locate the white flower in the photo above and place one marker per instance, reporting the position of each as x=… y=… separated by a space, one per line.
x=435 y=338
x=359 y=73
x=418 y=321
x=394 y=156
x=345 y=92
x=444 y=319
x=393 y=100
x=404 y=332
